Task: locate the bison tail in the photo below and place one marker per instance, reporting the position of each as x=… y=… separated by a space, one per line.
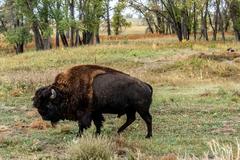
x=150 y=87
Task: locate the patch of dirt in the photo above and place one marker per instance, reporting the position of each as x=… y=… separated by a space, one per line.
x=36 y=124
x=16 y=92
x=206 y=94
x=32 y=113
x=169 y=157
x=4 y=128
x=227 y=129
x=39 y=124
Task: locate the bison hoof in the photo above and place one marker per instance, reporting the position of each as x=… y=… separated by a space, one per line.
x=148 y=136
x=79 y=135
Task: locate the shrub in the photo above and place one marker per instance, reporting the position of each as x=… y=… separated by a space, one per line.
x=91 y=148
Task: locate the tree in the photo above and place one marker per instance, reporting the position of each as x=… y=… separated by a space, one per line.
x=72 y=21
x=58 y=12
x=235 y=16
x=107 y=5
x=204 y=24
x=93 y=11
x=145 y=12
x=13 y=27
x=18 y=37
x=118 y=21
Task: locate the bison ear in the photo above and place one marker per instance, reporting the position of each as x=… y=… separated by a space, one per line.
x=54 y=94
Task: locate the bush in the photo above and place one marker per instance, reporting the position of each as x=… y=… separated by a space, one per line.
x=90 y=148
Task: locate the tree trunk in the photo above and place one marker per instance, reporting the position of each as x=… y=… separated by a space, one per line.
x=19 y=48
x=57 y=38
x=64 y=39
x=205 y=22
x=194 y=21
x=57 y=27
x=78 y=39
x=35 y=27
x=216 y=20
x=178 y=30
x=184 y=21
x=71 y=6
x=221 y=24
x=87 y=37
x=37 y=36
x=108 y=18
x=67 y=35
x=149 y=25
x=47 y=39
x=97 y=37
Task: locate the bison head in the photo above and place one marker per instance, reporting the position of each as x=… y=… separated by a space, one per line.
x=49 y=101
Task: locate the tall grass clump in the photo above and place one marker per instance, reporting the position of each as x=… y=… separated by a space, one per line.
x=217 y=151
x=89 y=147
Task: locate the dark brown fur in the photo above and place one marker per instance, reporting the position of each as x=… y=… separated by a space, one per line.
x=76 y=82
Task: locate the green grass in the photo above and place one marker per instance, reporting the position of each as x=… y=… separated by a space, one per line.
x=194 y=101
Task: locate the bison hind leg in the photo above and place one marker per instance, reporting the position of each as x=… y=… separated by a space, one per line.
x=146 y=116
x=98 y=120
x=120 y=115
x=131 y=116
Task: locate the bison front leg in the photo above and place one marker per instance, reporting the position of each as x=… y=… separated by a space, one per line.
x=98 y=119
x=84 y=121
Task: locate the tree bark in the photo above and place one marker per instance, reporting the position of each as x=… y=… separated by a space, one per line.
x=194 y=21
x=221 y=24
x=78 y=38
x=37 y=36
x=88 y=37
x=35 y=28
x=204 y=29
x=57 y=27
x=108 y=18
x=216 y=20
x=19 y=48
x=46 y=40
x=71 y=5
x=97 y=38
x=64 y=39
x=57 y=38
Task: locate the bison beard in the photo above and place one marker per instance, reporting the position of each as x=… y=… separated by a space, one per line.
x=83 y=93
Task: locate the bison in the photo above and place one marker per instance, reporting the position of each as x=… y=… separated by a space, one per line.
x=84 y=93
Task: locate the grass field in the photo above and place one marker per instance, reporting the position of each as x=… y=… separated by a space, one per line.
x=196 y=100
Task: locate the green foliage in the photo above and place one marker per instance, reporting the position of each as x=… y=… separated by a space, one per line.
x=47 y=32
x=236 y=12
x=118 y=21
x=20 y=35
x=63 y=25
x=93 y=10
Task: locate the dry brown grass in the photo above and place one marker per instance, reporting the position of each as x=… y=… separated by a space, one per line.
x=217 y=151
x=39 y=124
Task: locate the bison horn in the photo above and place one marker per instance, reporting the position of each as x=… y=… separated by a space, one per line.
x=54 y=94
